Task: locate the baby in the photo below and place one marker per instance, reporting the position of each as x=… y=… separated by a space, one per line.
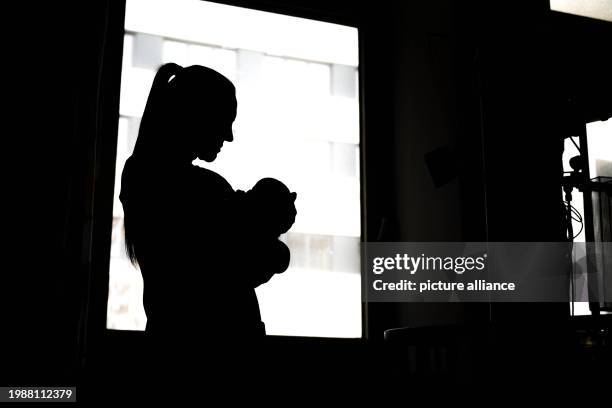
x=270 y=212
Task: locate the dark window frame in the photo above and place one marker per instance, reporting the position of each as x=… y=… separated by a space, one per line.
x=98 y=239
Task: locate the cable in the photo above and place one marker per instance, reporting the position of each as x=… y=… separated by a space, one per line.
x=575 y=215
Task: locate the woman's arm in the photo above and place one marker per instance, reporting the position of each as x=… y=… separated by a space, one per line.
x=231 y=230
x=258 y=255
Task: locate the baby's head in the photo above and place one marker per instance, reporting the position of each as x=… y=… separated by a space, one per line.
x=275 y=203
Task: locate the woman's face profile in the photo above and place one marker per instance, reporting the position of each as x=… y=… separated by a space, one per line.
x=215 y=129
x=201 y=105
x=207 y=125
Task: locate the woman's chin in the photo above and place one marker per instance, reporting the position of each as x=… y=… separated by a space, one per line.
x=208 y=156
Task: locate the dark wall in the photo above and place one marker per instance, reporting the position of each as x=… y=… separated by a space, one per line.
x=51 y=111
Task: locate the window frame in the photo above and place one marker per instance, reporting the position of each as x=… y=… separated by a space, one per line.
x=98 y=238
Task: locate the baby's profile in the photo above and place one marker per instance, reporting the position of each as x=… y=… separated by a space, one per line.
x=270 y=212
x=275 y=204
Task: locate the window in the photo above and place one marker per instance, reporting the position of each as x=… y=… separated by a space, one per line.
x=600 y=164
x=298 y=121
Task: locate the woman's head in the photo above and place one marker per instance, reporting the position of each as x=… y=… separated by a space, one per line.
x=189 y=114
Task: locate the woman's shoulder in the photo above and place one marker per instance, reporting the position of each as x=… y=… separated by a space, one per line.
x=209 y=179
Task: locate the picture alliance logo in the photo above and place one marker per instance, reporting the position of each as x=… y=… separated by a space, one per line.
x=412 y=264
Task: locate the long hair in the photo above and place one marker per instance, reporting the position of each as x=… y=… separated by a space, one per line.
x=156 y=109
x=174 y=88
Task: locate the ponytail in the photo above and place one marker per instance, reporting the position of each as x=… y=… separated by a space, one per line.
x=156 y=107
x=149 y=134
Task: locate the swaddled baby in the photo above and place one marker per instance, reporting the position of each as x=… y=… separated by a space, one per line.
x=271 y=212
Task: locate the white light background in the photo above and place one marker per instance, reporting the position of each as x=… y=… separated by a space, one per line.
x=298 y=121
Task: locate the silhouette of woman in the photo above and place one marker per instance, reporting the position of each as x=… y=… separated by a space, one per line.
x=183 y=223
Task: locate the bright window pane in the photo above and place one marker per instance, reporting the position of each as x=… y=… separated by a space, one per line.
x=600 y=148
x=599 y=142
x=298 y=121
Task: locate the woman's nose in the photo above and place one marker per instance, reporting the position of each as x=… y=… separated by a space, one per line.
x=229 y=137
